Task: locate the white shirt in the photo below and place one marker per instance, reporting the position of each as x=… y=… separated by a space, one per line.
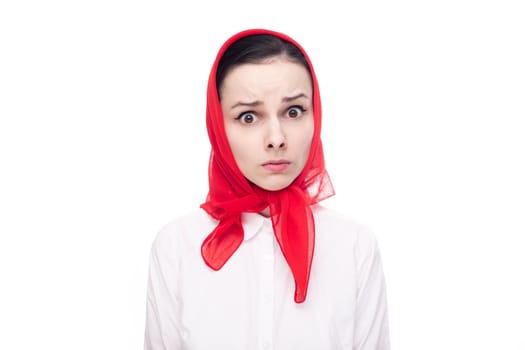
x=249 y=303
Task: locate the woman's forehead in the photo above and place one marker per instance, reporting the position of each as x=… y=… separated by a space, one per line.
x=256 y=80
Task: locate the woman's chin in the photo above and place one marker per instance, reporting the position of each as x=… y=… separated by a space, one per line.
x=273 y=185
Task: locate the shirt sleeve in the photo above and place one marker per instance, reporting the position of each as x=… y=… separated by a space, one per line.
x=371 y=327
x=163 y=331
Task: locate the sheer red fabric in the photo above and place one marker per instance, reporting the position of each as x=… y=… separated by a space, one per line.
x=230 y=193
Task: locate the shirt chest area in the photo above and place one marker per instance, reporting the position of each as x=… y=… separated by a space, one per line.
x=248 y=303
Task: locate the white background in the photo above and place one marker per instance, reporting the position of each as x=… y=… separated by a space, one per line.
x=103 y=141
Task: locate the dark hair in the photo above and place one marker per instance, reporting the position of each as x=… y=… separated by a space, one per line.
x=254 y=49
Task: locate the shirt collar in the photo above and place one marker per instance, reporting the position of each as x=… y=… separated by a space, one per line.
x=253 y=223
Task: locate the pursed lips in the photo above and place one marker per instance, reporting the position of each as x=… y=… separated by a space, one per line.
x=276 y=165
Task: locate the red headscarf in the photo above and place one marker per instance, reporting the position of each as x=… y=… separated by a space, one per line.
x=230 y=193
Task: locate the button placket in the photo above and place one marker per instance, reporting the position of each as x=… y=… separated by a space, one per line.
x=267 y=287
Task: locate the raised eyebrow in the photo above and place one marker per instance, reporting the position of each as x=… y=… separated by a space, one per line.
x=292 y=98
x=246 y=104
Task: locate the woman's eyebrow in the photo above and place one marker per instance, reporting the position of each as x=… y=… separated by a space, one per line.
x=258 y=103
x=288 y=99
x=246 y=104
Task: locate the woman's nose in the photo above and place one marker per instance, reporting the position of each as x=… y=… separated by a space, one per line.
x=276 y=138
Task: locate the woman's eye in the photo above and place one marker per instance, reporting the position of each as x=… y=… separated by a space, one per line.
x=295 y=111
x=246 y=118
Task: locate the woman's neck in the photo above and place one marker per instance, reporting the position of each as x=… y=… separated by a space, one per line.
x=265 y=212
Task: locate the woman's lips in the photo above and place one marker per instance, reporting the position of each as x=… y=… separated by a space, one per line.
x=276 y=165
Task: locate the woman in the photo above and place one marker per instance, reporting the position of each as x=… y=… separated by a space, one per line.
x=242 y=273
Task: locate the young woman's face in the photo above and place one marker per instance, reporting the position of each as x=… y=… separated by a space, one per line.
x=268 y=119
